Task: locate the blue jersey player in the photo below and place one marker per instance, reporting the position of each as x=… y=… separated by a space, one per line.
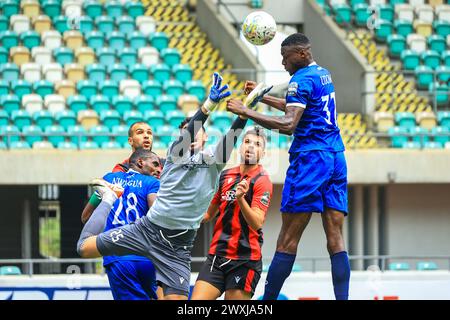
x=133 y=277
x=316 y=180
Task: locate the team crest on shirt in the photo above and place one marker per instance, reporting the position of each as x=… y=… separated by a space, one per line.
x=265 y=198
x=292 y=89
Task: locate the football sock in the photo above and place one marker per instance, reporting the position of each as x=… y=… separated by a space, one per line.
x=340 y=271
x=279 y=270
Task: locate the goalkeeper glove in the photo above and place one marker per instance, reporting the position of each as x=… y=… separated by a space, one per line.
x=256 y=95
x=216 y=94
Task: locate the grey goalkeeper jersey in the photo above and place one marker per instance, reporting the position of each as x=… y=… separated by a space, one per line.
x=187 y=187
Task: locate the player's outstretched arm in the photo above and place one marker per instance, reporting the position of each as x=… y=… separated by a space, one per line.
x=93 y=203
x=187 y=137
x=277 y=103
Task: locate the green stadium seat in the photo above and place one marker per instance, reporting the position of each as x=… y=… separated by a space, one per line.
x=403 y=27
x=159 y=145
x=296 y=268
x=424 y=76
x=61 y=24
x=122 y=134
x=132 y=116
x=343 y=13
x=166 y=134
x=399 y=266
x=426 y=266
x=440 y=134
x=106 y=56
x=110 y=118
x=182 y=72
x=444 y=118
x=4 y=23
x=221 y=120
x=43 y=88
x=155 y=118
x=125 y=24
x=77 y=134
x=92 y=8
x=111 y=145
x=436 y=43
x=440 y=92
x=159 y=40
x=4 y=87
x=446 y=58
x=361 y=14
x=128 y=56
x=21 y=88
x=100 y=134
x=109 y=89
x=32 y=134
x=66 y=118
x=214 y=134
x=116 y=40
x=10 y=7
x=144 y=103
x=21 y=118
x=137 y=40
x=10 y=72
x=152 y=88
x=431 y=59
x=87 y=88
x=51 y=8
x=63 y=55
x=166 y=103
x=96 y=72
x=9 y=133
x=88 y=145
x=443 y=73
x=173 y=88
x=175 y=117
x=122 y=104
x=397 y=44
x=10 y=103
x=171 y=56
x=386 y=12
x=43 y=119
x=385 y=28
x=433 y=145
x=394 y=2
x=67 y=145
x=398 y=136
x=410 y=59
x=30 y=39
x=3 y=145
x=77 y=103
x=9 y=39
x=55 y=134
x=100 y=103
x=113 y=8
x=161 y=72
x=405 y=119
x=4 y=54
x=86 y=24
x=139 y=72
x=95 y=39
x=415 y=145
x=4 y=118
x=134 y=9
x=196 y=88
x=19 y=145
x=441 y=28
x=117 y=72
x=105 y=24
x=420 y=135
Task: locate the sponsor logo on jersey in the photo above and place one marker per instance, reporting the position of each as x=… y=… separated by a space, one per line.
x=265 y=198
x=292 y=89
x=181 y=280
x=230 y=195
x=237 y=279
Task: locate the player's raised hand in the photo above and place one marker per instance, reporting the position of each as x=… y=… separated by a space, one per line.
x=256 y=95
x=242 y=189
x=249 y=86
x=216 y=93
x=236 y=106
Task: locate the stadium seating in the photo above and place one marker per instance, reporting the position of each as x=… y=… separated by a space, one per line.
x=9 y=270
x=399 y=266
x=426 y=266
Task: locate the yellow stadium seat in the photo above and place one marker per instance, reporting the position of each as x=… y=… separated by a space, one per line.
x=42 y=23
x=423 y=28
x=65 y=88
x=384 y=121
x=30 y=8
x=88 y=118
x=188 y=103
x=73 y=39
x=20 y=55
x=426 y=120
x=85 y=56
x=74 y=72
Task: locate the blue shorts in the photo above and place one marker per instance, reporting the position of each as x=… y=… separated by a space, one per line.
x=132 y=280
x=315 y=180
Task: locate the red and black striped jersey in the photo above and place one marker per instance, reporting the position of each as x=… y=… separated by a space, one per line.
x=122 y=167
x=233 y=238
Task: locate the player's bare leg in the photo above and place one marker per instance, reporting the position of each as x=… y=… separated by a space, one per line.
x=237 y=294
x=175 y=297
x=205 y=291
x=292 y=227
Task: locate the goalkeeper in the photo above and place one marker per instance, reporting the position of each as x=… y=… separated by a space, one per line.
x=188 y=183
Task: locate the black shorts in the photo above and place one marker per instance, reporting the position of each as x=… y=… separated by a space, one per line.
x=225 y=274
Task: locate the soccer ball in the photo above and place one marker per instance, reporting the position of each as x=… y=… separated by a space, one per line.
x=259 y=28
